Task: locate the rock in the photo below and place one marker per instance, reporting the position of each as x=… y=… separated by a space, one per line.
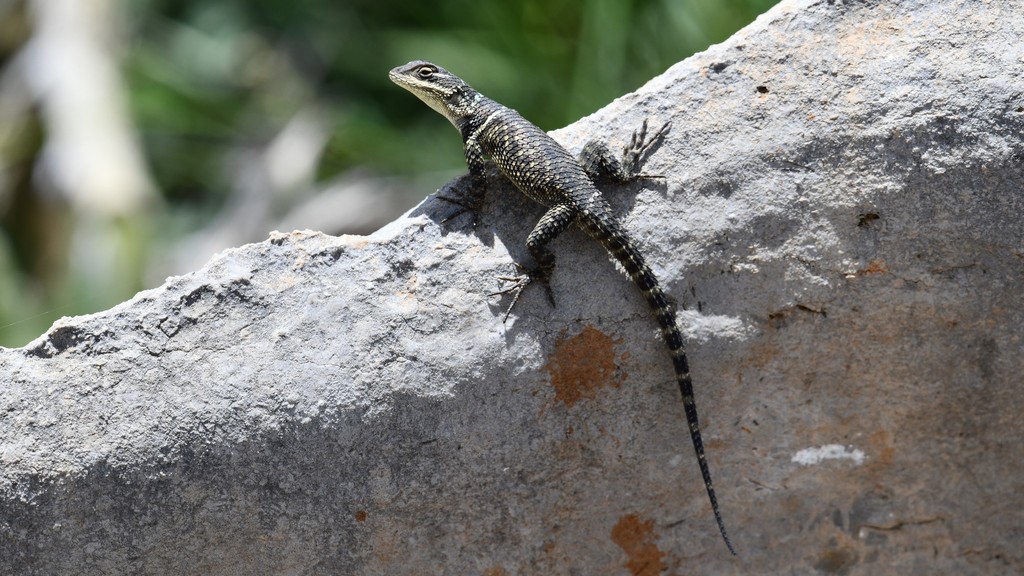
x=842 y=220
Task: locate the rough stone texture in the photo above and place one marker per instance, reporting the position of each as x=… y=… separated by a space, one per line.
x=842 y=219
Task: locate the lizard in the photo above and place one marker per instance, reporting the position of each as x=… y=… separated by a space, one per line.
x=547 y=173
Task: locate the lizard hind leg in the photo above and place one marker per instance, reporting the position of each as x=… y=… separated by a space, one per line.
x=553 y=223
x=602 y=166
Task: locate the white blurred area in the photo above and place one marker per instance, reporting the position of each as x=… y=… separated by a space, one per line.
x=91 y=155
x=90 y=158
x=76 y=184
x=71 y=169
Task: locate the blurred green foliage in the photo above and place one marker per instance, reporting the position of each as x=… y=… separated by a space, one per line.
x=208 y=75
x=207 y=78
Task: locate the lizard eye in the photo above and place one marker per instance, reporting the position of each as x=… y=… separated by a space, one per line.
x=425 y=72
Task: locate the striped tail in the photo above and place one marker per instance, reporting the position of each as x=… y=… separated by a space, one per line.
x=622 y=248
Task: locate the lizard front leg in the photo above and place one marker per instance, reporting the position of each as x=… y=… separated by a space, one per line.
x=553 y=223
x=471 y=188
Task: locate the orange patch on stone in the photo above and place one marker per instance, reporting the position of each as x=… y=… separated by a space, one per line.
x=636 y=537
x=360 y=516
x=881 y=444
x=582 y=365
x=875 y=267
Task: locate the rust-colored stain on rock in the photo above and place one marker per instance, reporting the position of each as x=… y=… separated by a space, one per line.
x=876 y=266
x=881 y=444
x=582 y=365
x=636 y=538
x=360 y=516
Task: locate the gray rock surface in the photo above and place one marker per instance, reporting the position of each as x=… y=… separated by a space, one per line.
x=842 y=220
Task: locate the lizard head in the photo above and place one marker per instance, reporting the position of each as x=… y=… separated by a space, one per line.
x=439 y=88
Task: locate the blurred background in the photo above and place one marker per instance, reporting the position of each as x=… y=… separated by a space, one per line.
x=140 y=137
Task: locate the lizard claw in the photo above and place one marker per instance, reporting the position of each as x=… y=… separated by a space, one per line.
x=468 y=198
x=639 y=147
x=463 y=207
x=519 y=283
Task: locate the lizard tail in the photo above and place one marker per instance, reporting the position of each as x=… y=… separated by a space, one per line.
x=621 y=247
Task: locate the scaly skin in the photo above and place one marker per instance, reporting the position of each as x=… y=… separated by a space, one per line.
x=546 y=172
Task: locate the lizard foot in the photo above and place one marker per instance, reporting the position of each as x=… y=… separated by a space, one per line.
x=639 y=147
x=463 y=207
x=465 y=202
x=519 y=282
x=602 y=166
